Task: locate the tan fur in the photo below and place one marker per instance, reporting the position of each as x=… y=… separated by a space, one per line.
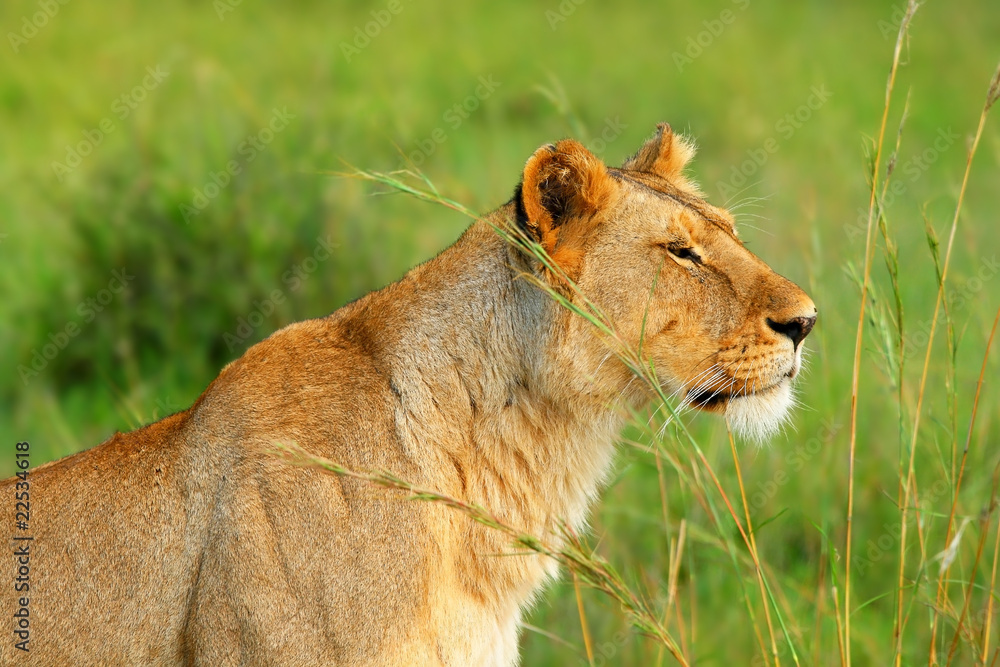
x=185 y=542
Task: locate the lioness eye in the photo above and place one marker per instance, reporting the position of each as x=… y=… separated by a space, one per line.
x=681 y=252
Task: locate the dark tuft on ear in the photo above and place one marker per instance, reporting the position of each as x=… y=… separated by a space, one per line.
x=521 y=216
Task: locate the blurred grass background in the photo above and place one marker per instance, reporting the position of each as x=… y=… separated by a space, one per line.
x=619 y=67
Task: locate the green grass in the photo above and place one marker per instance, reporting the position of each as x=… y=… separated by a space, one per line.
x=156 y=345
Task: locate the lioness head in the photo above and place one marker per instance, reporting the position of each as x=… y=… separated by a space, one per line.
x=723 y=331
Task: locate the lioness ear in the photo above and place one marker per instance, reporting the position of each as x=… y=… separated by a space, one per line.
x=562 y=187
x=665 y=154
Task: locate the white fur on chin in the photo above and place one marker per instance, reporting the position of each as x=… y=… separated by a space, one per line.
x=759 y=416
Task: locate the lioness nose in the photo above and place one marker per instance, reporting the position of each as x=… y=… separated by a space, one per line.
x=796 y=328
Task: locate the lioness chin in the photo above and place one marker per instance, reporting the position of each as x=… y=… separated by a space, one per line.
x=188 y=542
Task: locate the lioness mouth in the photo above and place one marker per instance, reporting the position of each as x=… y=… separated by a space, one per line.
x=706 y=398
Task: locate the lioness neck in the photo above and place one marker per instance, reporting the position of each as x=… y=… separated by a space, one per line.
x=477 y=369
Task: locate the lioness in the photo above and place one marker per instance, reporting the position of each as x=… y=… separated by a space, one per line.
x=188 y=542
